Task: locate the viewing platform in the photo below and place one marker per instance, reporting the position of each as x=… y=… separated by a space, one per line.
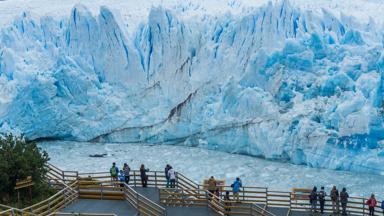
x=95 y=194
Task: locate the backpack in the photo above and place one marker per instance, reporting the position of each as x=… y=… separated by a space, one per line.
x=113 y=171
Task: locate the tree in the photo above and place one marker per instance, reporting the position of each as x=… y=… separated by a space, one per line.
x=18 y=160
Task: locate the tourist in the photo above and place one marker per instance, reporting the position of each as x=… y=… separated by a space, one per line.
x=372 y=204
x=335 y=200
x=322 y=195
x=236 y=188
x=313 y=199
x=121 y=178
x=143 y=175
x=166 y=169
x=172 y=177
x=382 y=206
x=114 y=171
x=344 y=200
x=126 y=169
x=211 y=186
x=227 y=202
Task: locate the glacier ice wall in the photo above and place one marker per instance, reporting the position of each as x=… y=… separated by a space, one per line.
x=278 y=82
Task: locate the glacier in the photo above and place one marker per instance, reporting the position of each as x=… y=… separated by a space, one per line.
x=278 y=82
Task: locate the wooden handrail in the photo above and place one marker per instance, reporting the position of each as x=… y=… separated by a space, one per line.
x=142 y=203
x=248 y=194
x=82 y=214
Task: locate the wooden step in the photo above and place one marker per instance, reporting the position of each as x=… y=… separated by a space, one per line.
x=104 y=197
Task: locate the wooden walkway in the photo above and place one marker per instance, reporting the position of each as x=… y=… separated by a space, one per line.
x=117 y=207
x=153 y=194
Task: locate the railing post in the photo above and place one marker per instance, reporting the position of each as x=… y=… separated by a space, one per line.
x=155 y=178
x=363 y=206
x=49 y=206
x=101 y=191
x=134 y=178
x=266 y=197
x=65 y=198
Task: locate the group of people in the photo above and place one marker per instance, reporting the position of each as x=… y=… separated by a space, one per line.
x=123 y=175
x=337 y=199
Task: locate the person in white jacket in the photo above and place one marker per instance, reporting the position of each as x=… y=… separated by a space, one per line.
x=172 y=177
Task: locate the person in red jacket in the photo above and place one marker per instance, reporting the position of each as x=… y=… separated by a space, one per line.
x=372 y=204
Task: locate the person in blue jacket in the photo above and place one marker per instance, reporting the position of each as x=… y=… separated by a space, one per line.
x=382 y=206
x=236 y=188
x=121 y=178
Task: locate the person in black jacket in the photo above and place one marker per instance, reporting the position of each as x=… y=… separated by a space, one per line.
x=143 y=175
x=344 y=200
x=322 y=196
x=313 y=199
x=166 y=169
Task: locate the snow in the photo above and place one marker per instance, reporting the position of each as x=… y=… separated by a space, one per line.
x=294 y=81
x=199 y=164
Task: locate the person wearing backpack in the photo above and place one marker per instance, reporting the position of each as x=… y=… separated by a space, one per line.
x=313 y=199
x=335 y=200
x=236 y=188
x=372 y=204
x=322 y=196
x=172 y=177
x=114 y=171
x=344 y=200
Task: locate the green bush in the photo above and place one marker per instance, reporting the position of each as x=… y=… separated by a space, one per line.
x=18 y=160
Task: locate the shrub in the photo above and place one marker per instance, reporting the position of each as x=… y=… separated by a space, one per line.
x=18 y=160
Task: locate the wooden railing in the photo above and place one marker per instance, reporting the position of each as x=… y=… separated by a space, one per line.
x=81 y=214
x=143 y=205
x=105 y=187
x=186 y=193
x=8 y=210
x=56 y=202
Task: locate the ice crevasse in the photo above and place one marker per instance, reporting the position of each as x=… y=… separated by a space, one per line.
x=278 y=82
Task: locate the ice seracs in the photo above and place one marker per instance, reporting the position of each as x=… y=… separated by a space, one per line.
x=277 y=81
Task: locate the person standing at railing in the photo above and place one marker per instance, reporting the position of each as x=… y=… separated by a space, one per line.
x=127 y=171
x=143 y=175
x=372 y=204
x=344 y=200
x=313 y=199
x=212 y=184
x=236 y=188
x=166 y=169
x=335 y=200
x=172 y=177
x=382 y=206
x=121 y=178
x=322 y=196
x=114 y=171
